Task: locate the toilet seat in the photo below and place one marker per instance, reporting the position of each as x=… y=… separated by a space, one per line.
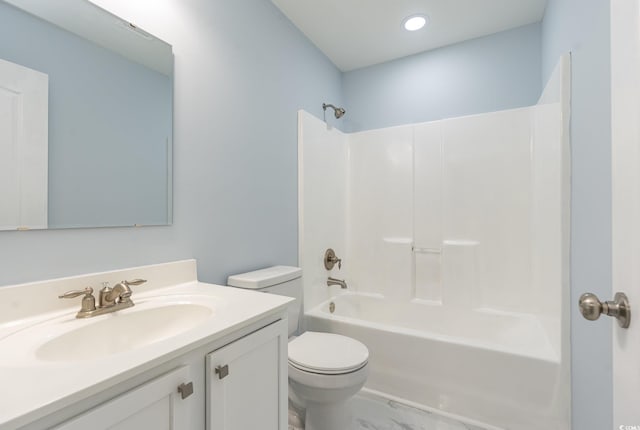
x=326 y=372
x=346 y=382
x=327 y=353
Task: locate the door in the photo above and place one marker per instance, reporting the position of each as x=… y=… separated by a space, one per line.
x=247 y=382
x=625 y=125
x=24 y=101
x=156 y=405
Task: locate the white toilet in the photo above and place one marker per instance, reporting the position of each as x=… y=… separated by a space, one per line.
x=325 y=369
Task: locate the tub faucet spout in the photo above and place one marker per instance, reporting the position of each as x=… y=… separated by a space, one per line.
x=334 y=281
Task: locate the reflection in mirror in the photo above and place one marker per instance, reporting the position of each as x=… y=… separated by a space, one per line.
x=85 y=118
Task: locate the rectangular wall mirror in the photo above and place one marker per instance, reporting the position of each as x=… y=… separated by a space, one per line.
x=86 y=119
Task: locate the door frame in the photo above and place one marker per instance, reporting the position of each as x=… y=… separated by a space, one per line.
x=625 y=156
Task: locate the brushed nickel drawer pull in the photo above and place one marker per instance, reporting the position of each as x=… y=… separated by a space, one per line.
x=222 y=371
x=185 y=390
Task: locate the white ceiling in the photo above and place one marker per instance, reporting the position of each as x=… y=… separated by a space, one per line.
x=360 y=33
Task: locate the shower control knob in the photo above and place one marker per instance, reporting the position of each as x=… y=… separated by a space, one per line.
x=591 y=308
x=330 y=260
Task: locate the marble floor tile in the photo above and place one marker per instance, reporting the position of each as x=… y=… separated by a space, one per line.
x=381 y=414
x=371 y=413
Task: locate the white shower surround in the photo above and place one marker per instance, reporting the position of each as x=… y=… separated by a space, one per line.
x=463 y=216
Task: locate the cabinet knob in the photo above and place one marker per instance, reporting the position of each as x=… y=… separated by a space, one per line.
x=222 y=371
x=185 y=390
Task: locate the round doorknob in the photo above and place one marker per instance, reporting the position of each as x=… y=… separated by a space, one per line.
x=591 y=308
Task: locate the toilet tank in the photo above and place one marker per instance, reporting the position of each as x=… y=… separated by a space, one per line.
x=280 y=280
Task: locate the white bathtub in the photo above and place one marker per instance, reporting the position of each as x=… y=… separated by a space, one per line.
x=496 y=368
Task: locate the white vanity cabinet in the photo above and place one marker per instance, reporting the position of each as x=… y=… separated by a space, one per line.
x=246 y=382
x=155 y=405
x=238 y=382
x=151 y=366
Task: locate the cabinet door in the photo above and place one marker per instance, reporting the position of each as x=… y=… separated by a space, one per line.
x=155 y=405
x=247 y=382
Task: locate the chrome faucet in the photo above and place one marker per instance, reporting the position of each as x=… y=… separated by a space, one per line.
x=110 y=299
x=333 y=281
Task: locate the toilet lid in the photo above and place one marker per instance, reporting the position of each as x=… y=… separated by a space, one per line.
x=327 y=353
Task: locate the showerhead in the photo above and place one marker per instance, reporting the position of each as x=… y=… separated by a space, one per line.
x=338 y=111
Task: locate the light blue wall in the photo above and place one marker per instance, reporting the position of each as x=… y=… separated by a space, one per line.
x=500 y=71
x=583 y=28
x=109 y=121
x=237 y=90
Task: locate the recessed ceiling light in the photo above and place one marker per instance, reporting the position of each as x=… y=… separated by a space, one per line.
x=414 y=22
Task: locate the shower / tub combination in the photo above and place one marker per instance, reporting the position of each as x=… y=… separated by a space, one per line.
x=453 y=236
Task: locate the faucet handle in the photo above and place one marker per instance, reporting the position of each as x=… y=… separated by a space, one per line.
x=135 y=282
x=88 y=301
x=75 y=293
x=126 y=294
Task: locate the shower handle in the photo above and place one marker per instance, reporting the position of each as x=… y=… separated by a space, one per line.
x=591 y=308
x=330 y=260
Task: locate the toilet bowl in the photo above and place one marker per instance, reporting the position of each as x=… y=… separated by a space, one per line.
x=325 y=369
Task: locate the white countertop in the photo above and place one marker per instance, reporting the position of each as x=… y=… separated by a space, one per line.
x=33 y=389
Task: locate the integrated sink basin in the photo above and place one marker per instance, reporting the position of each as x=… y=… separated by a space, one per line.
x=67 y=339
x=123 y=332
